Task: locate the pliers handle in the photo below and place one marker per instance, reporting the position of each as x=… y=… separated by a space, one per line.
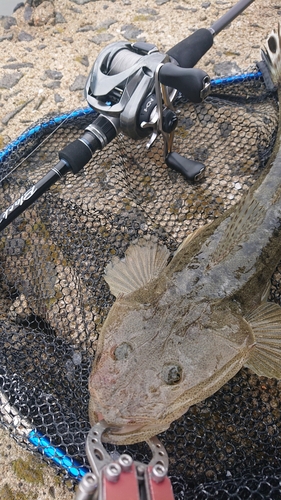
x=124 y=479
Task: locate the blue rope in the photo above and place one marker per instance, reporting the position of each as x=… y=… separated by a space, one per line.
x=57 y=455
x=228 y=80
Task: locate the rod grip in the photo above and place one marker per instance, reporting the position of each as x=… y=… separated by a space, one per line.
x=188 y=52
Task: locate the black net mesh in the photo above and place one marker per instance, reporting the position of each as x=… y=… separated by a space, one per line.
x=53 y=298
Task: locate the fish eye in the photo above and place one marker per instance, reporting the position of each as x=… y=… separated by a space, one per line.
x=172 y=374
x=122 y=351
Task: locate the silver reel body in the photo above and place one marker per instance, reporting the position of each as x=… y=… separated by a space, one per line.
x=121 y=80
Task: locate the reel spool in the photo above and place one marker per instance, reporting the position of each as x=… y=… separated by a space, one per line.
x=121 y=80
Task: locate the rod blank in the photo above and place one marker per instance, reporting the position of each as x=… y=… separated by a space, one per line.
x=231 y=14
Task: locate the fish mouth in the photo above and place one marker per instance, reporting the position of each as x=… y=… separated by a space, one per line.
x=125 y=431
x=131 y=433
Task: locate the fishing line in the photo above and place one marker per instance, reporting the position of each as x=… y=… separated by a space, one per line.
x=35 y=149
x=122 y=60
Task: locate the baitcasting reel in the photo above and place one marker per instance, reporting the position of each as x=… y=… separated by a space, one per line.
x=132 y=87
x=136 y=84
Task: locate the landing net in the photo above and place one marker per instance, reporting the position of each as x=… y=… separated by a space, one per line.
x=53 y=298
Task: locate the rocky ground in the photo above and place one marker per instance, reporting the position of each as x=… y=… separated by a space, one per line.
x=47 y=50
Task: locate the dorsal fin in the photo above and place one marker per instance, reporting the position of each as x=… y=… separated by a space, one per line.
x=143 y=262
x=244 y=220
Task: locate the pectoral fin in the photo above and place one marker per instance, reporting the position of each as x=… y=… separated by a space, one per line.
x=143 y=262
x=265 y=358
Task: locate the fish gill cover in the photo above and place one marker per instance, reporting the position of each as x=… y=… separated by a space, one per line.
x=54 y=299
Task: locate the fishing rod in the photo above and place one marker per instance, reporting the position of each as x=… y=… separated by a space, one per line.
x=132 y=87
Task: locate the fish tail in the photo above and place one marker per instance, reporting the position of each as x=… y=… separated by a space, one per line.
x=265 y=355
x=271 y=55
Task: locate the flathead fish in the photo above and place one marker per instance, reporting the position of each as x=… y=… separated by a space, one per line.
x=180 y=329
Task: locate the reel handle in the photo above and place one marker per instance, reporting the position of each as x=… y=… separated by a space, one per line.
x=193 y=83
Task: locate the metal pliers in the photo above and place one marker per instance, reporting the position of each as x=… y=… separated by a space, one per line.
x=124 y=479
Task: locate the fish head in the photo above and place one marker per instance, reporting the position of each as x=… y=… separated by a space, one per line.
x=153 y=362
x=124 y=387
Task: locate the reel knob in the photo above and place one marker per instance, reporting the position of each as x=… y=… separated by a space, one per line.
x=190 y=169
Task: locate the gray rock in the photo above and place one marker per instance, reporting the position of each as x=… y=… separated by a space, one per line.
x=52 y=85
x=82 y=2
x=106 y=24
x=205 y=5
x=79 y=83
x=18 y=6
x=8 y=22
x=59 y=19
x=58 y=98
x=87 y=27
x=9 y=80
x=102 y=38
x=23 y=36
x=84 y=60
x=161 y=2
x=6 y=37
x=36 y=3
x=75 y=9
x=54 y=75
x=131 y=32
x=188 y=9
x=150 y=12
x=68 y=39
x=18 y=65
x=27 y=15
x=226 y=68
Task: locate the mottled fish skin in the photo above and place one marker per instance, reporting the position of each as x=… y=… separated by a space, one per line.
x=177 y=332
